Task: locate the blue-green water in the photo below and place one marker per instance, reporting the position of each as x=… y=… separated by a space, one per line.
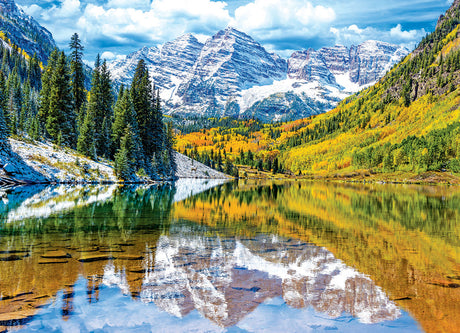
x=198 y=256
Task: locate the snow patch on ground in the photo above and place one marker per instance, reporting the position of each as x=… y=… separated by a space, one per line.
x=57 y=165
x=42 y=163
x=189 y=168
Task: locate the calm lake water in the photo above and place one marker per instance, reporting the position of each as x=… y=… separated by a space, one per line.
x=202 y=256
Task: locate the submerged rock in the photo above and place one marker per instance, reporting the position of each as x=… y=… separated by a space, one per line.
x=59 y=254
x=95 y=257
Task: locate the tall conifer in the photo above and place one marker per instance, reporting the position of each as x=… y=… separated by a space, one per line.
x=76 y=72
x=61 y=115
x=45 y=93
x=141 y=94
x=4 y=133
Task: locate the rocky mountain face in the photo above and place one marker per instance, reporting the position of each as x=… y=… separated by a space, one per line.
x=231 y=74
x=23 y=31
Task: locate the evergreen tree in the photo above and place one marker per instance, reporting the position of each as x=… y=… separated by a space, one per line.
x=3 y=92
x=4 y=133
x=275 y=165
x=85 y=144
x=61 y=115
x=45 y=93
x=141 y=94
x=105 y=114
x=76 y=72
x=126 y=116
x=122 y=109
x=156 y=127
x=100 y=107
x=14 y=106
x=169 y=144
x=124 y=158
x=105 y=146
x=34 y=131
x=34 y=73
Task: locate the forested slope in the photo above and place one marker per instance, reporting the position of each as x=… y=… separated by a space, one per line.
x=409 y=122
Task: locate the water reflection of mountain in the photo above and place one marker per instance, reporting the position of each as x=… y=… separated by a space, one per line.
x=208 y=253
x=406 y=238
x=225 y=279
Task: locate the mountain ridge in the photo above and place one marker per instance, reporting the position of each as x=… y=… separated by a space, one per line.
x=231 y=74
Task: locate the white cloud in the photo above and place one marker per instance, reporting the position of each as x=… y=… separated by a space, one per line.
x=162 y=21
x=116 y=23
x=289 y=15
x=32 y=10
x=354 y=28
x=108 y=55
x=396 y=35
x=137 y=4
x=121 y=26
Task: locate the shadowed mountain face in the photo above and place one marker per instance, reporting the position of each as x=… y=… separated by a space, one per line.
x=278 y=256
x=24 y=32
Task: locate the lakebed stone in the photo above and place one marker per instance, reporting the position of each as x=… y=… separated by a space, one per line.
x=95 y=257
x=58 y=254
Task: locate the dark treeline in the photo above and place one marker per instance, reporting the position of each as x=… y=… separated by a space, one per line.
x=125 y=126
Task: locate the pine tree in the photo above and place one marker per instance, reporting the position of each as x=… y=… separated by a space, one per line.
x=61 y=115
x=126 y=116
x=124 y=159
x=169 y=144
x=105 y=114
x=85 y=144
x=105 y=146
x=4 y=133
x=45 y=93
x=26 y=107
x=100 y=107
x=34 y=73
x=141 y=94
x=34 y=131
x=76 y=72
x=14 y=105
x=156 y=126
x=120 y=121
x=3 y=91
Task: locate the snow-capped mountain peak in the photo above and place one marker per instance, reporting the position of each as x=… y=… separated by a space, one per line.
x=233 y=74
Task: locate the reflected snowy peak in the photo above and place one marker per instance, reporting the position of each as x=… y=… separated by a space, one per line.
x=225 y=279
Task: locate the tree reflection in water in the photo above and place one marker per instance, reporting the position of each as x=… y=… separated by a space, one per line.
x=228 y=253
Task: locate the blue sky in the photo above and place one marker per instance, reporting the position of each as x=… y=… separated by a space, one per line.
x=115 y=28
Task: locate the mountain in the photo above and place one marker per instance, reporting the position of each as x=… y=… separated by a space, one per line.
x=21 y=30
x=168 y=66
x=405 y=128
x=231 y=74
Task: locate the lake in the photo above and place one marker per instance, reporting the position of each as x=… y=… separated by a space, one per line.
x=207 y=256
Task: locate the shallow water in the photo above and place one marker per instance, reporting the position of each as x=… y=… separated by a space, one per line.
x=200 y=256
